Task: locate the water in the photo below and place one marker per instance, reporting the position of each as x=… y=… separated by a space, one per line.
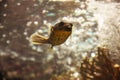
x=20 y=18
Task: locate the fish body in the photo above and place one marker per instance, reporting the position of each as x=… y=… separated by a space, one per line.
x=59 y=34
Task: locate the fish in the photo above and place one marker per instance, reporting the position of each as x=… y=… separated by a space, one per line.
x=59 y=33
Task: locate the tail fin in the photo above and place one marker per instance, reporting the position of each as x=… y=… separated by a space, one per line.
x=37 y=39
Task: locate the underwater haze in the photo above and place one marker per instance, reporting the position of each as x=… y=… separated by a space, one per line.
x=96 y=23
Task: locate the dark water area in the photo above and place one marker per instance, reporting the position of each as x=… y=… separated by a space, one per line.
x=21 y=60
x=18 y=20
x=17 y=15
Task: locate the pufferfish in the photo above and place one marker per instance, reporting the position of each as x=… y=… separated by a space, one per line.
x=58 y=35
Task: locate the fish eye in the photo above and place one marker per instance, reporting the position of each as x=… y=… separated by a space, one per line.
x=69 y=26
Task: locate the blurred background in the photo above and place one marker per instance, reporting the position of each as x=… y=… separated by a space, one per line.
x=96 y=24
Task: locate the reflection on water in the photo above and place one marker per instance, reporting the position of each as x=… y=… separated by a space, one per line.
x=20 y=18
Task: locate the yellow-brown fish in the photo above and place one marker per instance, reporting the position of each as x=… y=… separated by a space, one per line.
x=59 y=34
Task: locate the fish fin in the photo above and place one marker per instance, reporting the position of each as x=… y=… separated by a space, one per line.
x=51 y=46
x=50 y=30
x=37 y=39
x=50 y=49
